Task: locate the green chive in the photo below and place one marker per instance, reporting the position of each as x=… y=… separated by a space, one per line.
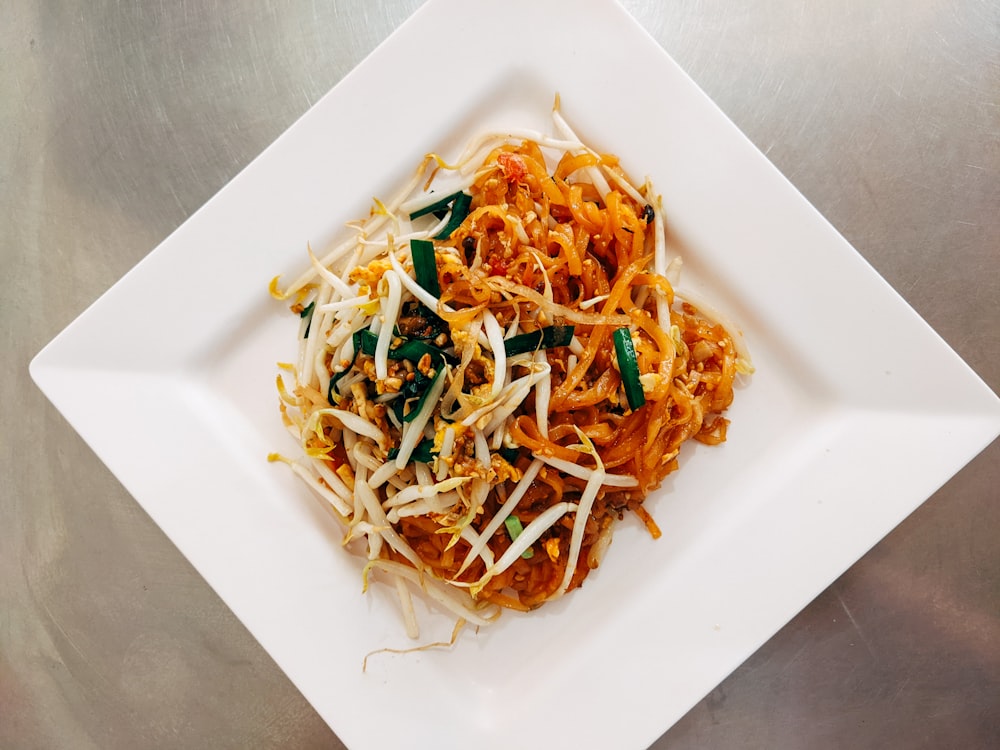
x=628 y=365
x=412 y=349
x=307 y=314
x=365 y=341
x=423 y=453
x=459 y=210
x=543 y=338
x=410 y=391
x=423 y=397
x=425 y=266
x=514 y=529
x=436 y=206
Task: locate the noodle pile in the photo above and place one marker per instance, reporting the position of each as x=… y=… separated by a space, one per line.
x=489 y=376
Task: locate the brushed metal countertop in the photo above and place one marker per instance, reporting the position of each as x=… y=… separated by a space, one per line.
x=119 y=119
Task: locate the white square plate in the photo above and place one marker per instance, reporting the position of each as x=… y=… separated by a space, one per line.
x=857 y=413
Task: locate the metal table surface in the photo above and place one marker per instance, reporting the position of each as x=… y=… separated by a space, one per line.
x=119 y=119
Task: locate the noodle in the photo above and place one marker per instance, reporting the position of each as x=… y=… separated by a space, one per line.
x=486 y=386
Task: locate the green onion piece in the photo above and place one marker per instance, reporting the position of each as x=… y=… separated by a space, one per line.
x=425 y=266
x=514 y=529
x=307 y=313
x=414 y=311
x=365 y=341
x=423 y=397
x=410 y=391
x=628 y=365
x=397 y=405
x=435 y=206
x=423 y=453
x=459 y=210
x=413 y=349
x=543 y=338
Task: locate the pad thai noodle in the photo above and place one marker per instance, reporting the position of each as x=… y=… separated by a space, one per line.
x=494 y=368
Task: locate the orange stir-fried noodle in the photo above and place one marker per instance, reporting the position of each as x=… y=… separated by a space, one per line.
x=484 y=388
